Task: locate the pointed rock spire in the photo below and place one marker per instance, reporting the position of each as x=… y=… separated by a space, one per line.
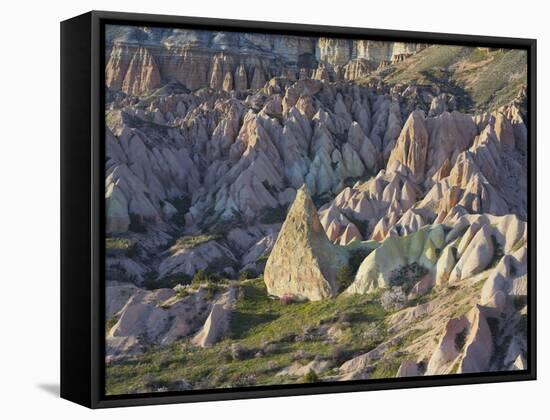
x=303 y=262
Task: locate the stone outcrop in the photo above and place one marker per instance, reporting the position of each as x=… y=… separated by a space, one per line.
x=378 y=269
x=158 y=317
x=217 y=323
x=303 y=262
x=224 y=60
x=133 y=71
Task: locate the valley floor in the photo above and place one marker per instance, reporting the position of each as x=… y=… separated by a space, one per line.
x=273 y=342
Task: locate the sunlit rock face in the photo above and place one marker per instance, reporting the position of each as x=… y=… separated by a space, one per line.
x=303 y=262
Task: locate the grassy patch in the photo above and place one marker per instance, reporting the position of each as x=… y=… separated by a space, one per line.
x=189 y=242
x=111 y=323
x=259 y=318
x=272 y=335
x=519 y=244
x=479 y=78
x=120 y=246
x=478 y=54
x=387 y=367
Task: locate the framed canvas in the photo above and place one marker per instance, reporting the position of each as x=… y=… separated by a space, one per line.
x=255 y=209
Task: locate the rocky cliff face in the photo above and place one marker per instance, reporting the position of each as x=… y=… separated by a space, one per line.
x=225 y=61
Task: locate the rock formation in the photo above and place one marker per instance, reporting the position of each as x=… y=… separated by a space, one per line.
x=303 y=262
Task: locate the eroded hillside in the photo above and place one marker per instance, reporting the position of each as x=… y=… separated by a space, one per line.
x=311 y=210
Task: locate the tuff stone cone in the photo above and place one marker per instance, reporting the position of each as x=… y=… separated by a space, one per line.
x=303 y=262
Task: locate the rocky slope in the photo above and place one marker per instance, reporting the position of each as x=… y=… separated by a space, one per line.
x=264 y=196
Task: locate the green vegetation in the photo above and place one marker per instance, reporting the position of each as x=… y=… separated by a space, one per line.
x=200 y=278
x=387 y=367
x=356 y=257
x=111 y=323
x=478 y=54
x=346 y=274
x=270 y=336
x=246 y=275
x=311 y=376
x=151 y=282
x=259 y=318
x=344 y=278
x=189 y=242
x=407 y=276
x=120 y=246
x=182 y=293
x=479 y=78
x=519 y=244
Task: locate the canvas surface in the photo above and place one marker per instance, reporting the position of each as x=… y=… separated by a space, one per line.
x=285 y=209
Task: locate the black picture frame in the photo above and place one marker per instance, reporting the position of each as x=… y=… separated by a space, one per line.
x=83 y=220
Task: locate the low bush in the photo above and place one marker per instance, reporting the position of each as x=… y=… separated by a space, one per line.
x=393 y=299
x=344 y=277
x=246 y=275
x=311 y=376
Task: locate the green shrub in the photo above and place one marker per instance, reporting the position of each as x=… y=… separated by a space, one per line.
x=211 y=290
x=200 y=277
x=311 y=376
x=120 y=246
x=189 y=242
x=344 y=277
x=182 y=293
x=356 y=258
x=246 y=275
x=407 y=276
x=150 y=282
x=111 y=323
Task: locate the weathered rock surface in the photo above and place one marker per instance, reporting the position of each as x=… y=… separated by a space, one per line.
x=156 y=317
x=188 y=260
x=217 y=323
x=199 y=59
x=303 y=262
